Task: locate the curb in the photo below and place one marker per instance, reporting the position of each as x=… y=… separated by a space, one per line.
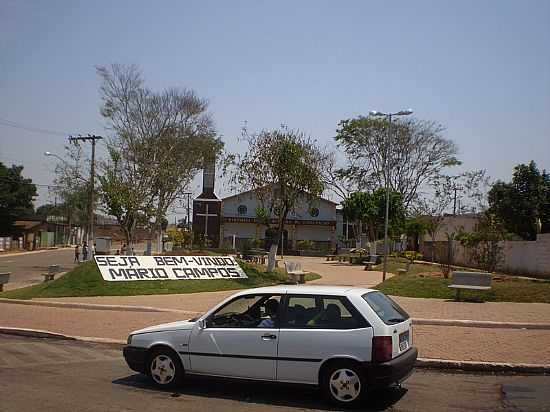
x=421 y=363
x=473 y=366
x=94 y=306
x=45 y=334
x=34 y=333
x=480 y=324
x=32 y=252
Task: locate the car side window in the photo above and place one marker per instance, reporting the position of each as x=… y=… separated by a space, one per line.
x=249 y=311
x=300 y=310
x=322 y=312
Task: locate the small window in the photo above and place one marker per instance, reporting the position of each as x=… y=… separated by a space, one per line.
x=249 y=311
x=322 y=312
x=386 y=309
x=242 y=209
x=314 y=212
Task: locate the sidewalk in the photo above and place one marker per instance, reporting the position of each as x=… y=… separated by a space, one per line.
x=440 y=342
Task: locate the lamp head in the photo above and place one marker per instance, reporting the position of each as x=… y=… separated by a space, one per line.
x=405 y=112
x=47 y=153
x=376 y=113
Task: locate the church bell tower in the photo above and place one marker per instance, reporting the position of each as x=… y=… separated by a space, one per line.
x=207 y=208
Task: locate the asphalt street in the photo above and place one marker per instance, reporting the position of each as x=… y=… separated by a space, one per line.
x=26 y=268
x=57 y=375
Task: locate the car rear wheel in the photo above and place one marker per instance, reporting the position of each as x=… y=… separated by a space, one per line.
x=343 y=383
x=165 y=368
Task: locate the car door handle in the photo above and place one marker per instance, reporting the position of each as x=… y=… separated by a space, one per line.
x=269 y=336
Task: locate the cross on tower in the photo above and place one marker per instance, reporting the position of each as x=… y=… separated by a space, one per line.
x=206 y=215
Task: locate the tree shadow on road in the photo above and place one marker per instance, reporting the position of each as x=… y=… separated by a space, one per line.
x=296 y=396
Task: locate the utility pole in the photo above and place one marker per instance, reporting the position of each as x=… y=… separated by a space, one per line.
x=55 y=216
x=93 y=139
x=456 y=188
x=188 y=210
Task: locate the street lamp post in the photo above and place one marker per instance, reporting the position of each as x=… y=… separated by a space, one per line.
x=388 y=116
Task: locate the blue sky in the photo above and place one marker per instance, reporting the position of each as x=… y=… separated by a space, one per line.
x=481 y=68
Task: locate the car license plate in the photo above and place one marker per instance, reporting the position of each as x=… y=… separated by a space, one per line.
x=403 y=341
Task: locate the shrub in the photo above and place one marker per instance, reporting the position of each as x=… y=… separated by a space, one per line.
x=304 y=245
x=412 y=255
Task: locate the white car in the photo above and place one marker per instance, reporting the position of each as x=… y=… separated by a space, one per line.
x=346 y=340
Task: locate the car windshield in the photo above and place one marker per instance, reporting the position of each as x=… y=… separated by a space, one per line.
x=386 y=309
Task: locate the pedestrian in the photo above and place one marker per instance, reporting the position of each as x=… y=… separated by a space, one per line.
x=93 y=251
x=123 y=249
x=77 y=253
x=85 y=252
x=117 y=252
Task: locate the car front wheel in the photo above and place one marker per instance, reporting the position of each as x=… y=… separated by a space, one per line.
x=344 y=384
x=165 y=368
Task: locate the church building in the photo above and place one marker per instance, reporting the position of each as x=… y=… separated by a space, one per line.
x=232 y=220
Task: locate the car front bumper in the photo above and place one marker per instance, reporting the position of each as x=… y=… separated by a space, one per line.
x=136 y=358
x=394 y=371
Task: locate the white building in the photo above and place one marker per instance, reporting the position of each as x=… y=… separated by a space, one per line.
x=314 y=221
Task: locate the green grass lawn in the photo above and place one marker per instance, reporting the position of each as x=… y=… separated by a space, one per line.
x=85 y=280
x=507 y=290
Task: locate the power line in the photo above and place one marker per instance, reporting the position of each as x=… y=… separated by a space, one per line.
x=9 y=123
x=12 y=180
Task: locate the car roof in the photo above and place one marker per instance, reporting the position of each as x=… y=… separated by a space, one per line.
x=309 y=290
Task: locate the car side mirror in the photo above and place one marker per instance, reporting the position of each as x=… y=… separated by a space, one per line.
x=202 y=324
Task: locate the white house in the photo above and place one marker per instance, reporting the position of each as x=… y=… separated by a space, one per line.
x=314 y=221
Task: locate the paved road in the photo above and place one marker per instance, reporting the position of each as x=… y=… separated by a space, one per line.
x=26 y=268
x=51 y=375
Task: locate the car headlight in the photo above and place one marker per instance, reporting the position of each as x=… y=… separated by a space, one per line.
x=129 y=340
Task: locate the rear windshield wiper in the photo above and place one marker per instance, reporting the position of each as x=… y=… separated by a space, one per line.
x=396 y=320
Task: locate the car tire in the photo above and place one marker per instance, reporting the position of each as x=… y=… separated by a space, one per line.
x=164 y=367
x=343 y=383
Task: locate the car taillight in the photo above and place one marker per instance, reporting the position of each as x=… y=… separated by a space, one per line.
x=382 y=348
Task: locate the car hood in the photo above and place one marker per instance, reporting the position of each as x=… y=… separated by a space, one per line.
x=179 y=325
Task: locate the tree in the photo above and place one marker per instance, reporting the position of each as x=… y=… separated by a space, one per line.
x=442 y=197
x=414 y=227
x=416 y=154
x=71 y=186
x=369 y=209
x=162 y=140
x=283 y=167
x=524 y=202
x=483 y=243
x=49 y=209
x=16 y=196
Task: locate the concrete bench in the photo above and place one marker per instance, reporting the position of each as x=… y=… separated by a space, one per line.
x=52 y=271
x=330 y=258
x=369 y=264
x=470 y=281
x=4 y=278
x=295 y=272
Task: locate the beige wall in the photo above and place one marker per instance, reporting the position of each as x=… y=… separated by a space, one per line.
x=453 y=224
x=527 y=258
x=532 y=257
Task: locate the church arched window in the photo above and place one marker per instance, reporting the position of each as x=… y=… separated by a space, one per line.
x=314 y=212
x=242 y=209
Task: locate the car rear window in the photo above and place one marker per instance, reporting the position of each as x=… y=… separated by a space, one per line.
x=386 y=309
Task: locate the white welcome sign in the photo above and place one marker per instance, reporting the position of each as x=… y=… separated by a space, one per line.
x=124 y=268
